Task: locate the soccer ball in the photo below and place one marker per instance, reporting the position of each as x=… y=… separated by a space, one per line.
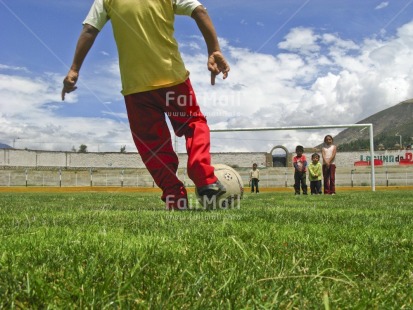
x=233 y=184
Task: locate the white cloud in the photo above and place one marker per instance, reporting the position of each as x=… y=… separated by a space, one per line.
x=21 y=95
x=12 y=68
x=301 y=39
x=190 y=45
x=117 y=115
x=382 y=5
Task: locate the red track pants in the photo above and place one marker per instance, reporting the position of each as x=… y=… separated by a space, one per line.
x=146 y=113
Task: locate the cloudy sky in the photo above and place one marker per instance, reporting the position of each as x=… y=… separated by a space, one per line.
x=293 y=63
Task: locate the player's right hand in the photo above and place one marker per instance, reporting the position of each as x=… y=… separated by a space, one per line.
x=69 y=83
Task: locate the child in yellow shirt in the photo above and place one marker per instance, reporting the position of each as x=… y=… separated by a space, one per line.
x=315 y=174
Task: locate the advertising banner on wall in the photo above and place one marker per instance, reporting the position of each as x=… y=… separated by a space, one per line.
x=387 y=158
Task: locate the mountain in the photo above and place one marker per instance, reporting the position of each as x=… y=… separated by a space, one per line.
x=389 y=127
x=5 y=146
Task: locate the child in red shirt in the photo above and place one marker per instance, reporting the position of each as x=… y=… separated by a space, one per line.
x=300 y=168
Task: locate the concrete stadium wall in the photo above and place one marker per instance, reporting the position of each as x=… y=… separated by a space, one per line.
x=10 y=158
x=71 y=160
x=68 y=160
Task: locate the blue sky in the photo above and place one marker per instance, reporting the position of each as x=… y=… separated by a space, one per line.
x=293 y=62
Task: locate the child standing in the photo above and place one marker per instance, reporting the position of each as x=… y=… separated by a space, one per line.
x=315 y=172
x=254 y=178
x=300 y=166
x=329 y=166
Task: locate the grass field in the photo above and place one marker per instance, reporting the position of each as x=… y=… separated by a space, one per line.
x=120 y=250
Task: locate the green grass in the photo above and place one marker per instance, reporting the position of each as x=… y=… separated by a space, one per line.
x=116 y=250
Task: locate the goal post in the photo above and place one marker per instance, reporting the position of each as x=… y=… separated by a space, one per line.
x=370 y=126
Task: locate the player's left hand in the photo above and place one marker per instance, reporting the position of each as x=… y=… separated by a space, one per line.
x=217 y=64
x=69 y=83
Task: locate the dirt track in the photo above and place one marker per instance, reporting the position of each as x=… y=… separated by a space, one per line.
x=22 y=189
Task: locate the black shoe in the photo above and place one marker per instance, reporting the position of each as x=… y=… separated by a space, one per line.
x=215 y=189
x=208 y=195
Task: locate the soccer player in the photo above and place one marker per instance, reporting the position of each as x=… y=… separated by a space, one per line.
x=153 y=78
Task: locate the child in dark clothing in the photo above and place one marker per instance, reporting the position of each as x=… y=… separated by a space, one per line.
x=254 y=178
x=300 y=168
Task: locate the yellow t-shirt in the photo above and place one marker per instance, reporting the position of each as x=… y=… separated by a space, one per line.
x=144 y=33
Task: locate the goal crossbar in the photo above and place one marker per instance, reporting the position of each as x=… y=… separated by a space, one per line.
x=370 y=126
